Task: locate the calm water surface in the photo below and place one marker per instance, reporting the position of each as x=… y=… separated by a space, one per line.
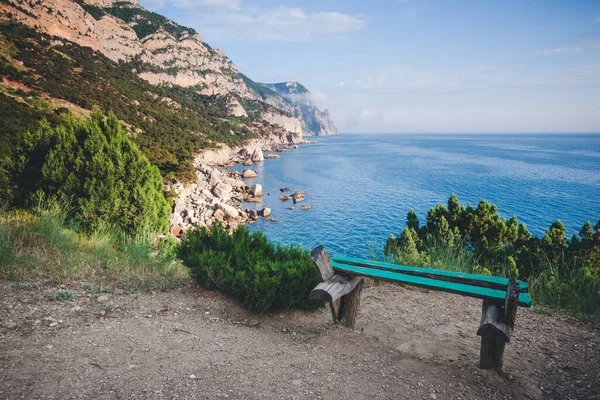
x=360 y=187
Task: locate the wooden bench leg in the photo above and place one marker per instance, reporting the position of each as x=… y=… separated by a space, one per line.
x=341 y=291
x=491 y=354
x=350 y=306
x=497 y=324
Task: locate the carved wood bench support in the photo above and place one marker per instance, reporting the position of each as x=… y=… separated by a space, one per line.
x=497 y=324
x=341 y=291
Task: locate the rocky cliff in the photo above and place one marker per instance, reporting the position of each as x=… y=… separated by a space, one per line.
x=163 y=52
x=297 y=100
x=160 y=51
x=157 y=49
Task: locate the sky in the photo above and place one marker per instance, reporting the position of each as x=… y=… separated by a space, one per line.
x=418 y=66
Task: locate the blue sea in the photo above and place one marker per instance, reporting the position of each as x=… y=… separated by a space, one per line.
x=360 y=187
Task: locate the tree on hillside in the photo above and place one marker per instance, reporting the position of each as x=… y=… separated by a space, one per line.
x=93 y=165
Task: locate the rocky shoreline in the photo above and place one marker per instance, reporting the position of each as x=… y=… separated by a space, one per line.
x=217 y=194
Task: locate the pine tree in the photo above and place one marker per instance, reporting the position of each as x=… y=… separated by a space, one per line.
x=94 y=166
x=412 y=221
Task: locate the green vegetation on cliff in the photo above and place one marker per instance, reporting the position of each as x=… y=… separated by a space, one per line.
x=146 y=22
x=168 y=124
x=563 y=272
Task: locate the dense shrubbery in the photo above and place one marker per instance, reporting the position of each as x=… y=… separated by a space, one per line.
x=94 y=166
x=564 y=272
x=248 y=267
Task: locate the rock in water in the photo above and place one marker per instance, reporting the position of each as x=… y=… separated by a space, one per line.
x=265 y=212
x=284 y=197
x=256 y=190
x=305 y=207
x=273 y=156
x=248 y=173
x=248 y=162
x=257 y=155
x=252 y=215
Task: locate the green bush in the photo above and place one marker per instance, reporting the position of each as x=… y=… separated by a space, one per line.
x=96 y=168
x=248 y=267
x=563 y=272
x=571 y=289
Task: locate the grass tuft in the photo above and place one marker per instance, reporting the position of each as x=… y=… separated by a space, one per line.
x=576 y=290
x=42 y=245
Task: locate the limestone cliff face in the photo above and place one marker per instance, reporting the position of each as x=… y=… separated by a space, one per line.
x=298 y=102
x=288 y=123
x=161 y=51
x=66 y=19
x=235 y=108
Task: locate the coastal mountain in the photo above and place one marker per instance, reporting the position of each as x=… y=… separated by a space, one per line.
x=298 y=102
x=174 y=92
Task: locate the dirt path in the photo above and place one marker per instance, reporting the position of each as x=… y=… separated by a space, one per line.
x=193 y=344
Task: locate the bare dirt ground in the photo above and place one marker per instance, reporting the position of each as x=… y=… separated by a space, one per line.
x=195 y=344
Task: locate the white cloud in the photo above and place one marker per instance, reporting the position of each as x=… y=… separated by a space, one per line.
x=567 y=49
x=318 y=96
x=204 y=4
x=192 y=4
x=558 y=50
x=153 y=4
x=233 y=20
x=283 y=24
x=365 y=117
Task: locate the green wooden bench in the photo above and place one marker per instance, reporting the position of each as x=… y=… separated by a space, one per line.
x=342 y=281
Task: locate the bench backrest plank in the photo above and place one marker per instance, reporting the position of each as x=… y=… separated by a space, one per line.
x=495 y=295
x=492 y=282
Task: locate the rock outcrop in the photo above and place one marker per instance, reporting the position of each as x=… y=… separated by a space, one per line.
x=298 y=102
x=213 y=197
x=235 y=108
x=290 y=124
x=257 y=155
x=249 y=174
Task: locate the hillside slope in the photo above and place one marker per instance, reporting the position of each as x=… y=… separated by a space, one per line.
x=175 y=93
x=157 y=49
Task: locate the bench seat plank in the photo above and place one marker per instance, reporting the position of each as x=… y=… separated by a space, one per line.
x=493 y=282
x=495 y=295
